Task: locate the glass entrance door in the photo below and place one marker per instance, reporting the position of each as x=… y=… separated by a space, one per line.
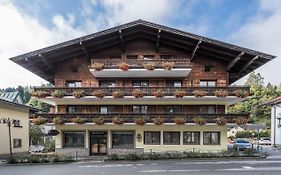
x=98 y=143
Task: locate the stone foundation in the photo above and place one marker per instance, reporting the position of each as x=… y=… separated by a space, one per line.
x=81 y=152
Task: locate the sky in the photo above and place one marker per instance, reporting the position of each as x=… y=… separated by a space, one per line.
x=29 y=25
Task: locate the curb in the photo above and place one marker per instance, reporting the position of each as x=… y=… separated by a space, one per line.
x=29 y=164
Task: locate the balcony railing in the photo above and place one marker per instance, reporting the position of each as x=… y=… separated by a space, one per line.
x=148 y=91
x=130 y=117
x=138 y=63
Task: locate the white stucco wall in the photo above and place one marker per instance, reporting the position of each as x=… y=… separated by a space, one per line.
x=274 y=126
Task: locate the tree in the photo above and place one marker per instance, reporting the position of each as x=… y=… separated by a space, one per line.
x=36 y=135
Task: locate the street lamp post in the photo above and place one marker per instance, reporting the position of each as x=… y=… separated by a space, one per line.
x=9 y=122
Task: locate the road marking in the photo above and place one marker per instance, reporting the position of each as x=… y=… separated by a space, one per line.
x=229 y=162
x=109 y=165
x=169 y=171
x=247 y=167
x=252 y=169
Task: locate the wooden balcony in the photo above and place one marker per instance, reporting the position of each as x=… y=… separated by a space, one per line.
x=180 y=69
x=130 y=117
x=147 y=91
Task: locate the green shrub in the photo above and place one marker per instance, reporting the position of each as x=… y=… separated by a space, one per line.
x=249 y=152
x=113 y=157
x=12 y=160
x=132 y=157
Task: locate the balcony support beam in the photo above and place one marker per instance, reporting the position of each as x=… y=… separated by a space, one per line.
x=121 y=40
x=158 y=40
x=86 y=53
x=195 y=50
x=46 y=63
x=234 y=61
x=248 y=64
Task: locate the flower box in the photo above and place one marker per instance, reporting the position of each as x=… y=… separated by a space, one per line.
x=199 y=93
x=221 y=121
x=58 y=121
x=118 y=94
x=140 y=121
x=179 y=120
x=39 y=121
x=99 y=93
x=149 y=66
x=138 y=93
x=179 y=93
x=79 y=93
x=241 y=121
x=58 y=93
x=98 y=66
x=123 y=66
x=99 y=120
x=158 y=120
x=159 y=93
x=167 y=65
x=118 y=120
x=79 y=120
x=220 y=93
x=199 y=121
x=241 y=93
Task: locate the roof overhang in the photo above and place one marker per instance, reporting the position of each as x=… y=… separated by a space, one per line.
x=239 y=60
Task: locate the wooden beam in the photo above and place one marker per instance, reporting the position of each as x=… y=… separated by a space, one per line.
x=158 y=40
x=195 y=49
x=121 y=40
x=49 y=65
x=234 y=61
x=87 y=56
x=248 y=64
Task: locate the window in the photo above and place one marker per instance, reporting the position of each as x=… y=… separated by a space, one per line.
x=107 y=109
x=208 y=83
x=207 y=68
x=107 y=84
x=74 y=109
x=73 y=83
x=174 y=83
x=191 y=137
x=16 y=143
x=123 y=139
x=16 y=123
x=171 y=138
x=211 y=138
x=140 y=109
x=148 y=57
x=173 y=109
x=152 y=137
x=140 y=83
x=73 y=139
x=132 y=56
x=207 y=110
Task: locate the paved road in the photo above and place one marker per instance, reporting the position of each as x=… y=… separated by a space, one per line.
x=190 y=167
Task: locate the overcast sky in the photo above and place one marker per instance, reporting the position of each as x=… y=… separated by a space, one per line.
x=27 y=25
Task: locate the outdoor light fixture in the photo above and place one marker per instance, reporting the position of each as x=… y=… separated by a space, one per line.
x=9 y=122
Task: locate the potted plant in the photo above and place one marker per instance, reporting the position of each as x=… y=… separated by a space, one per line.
x=158 y=120
x=78 y=120
x=140 y=121
x=58 y=93
x=167 y=65
x=179 y=93
x=199 y=121
x=40 y=94
x=99 y=120
x=149 y=66
x=118 y=94
x=98 y=66
x=240 y=93
x=123 y=66
x=159 y=93
x=199 y=93
x=179 y=120
x=138 y=93
x=39 y=121
x=220 y=93
x=99 y=93
x=221 y=121
x=79 y=93
x=118 y=120
x=58 y=121
x=241 y=120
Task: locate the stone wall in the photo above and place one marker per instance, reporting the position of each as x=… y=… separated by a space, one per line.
x=81 y=152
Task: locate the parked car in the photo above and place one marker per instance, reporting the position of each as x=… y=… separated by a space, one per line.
x=242 y=144
x=265 y=141
x=36 y=148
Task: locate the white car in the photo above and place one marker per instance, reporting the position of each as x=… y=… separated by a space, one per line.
x=265 y=142
x=36 y=148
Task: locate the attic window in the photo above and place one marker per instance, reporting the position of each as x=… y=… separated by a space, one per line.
x=207 y=68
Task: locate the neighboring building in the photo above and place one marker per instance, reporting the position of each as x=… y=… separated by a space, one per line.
x=200 y=67
x=19 y=114
x=11 y=96
x=275 y=121
x=233 y=129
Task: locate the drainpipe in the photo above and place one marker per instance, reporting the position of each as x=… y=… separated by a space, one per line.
x=274 y=127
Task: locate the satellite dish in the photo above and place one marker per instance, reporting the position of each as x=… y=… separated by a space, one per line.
x=53 y=132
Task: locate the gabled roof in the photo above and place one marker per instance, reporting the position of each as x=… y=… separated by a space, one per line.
x=22 y=106
x=239 y=60
x=12 y=96
x=273 y=102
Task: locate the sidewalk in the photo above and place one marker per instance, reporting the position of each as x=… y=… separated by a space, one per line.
x=272 y=152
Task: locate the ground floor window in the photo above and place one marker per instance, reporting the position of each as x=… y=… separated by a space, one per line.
x=73 y=139
x=211 y=138
x=152 y=137
x=17 y=143
x=171 y=138
x=191 y=137
x=123 y=139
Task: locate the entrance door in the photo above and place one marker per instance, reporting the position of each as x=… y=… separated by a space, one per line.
x=98 y=143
